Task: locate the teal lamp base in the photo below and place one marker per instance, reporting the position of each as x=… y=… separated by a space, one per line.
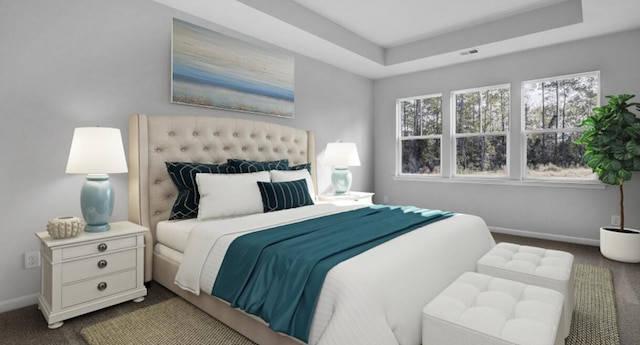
x=96 y=202
x=341 y=180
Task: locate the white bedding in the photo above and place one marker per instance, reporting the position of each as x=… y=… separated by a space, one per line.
x=175 y=233
x=374 y=298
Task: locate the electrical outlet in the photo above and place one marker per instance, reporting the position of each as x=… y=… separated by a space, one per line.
x=31 y=260
x=615 y=220
x=385 y=199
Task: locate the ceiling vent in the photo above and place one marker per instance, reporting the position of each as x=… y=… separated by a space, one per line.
x=469 y=52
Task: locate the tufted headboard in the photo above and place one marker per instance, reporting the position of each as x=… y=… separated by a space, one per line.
x=154 y=140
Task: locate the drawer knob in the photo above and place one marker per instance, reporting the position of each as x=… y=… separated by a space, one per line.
x=102 y=286
x=102 y=247
x=102 y=263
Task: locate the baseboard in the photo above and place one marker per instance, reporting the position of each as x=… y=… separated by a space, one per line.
x=18 y=302
x=543 y=236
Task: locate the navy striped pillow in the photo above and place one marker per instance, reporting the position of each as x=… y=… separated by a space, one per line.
x=283 y=195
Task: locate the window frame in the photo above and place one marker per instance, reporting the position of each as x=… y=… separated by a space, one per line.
x=453 y=159
x=516 y=163
x=400 y=138
x=524 y=132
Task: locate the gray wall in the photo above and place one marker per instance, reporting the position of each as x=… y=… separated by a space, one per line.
x=73 y=63
x=568 y=213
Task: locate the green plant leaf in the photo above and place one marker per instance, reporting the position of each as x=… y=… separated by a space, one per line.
x=617 y=146
x=629 y=117
x=609 y=177
x=633 y=147
x=588 y=122
x=613 y=130
x=595 y=160
x=624 y=157
x=636 y=163
x=632 y=132
x=624 y=175
x=616 y=165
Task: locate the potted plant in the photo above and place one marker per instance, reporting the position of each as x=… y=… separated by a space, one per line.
x=612 y=151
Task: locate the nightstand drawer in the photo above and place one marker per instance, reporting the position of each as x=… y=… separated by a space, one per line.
x=98 y=265
x=98 y=247
x=98 y=288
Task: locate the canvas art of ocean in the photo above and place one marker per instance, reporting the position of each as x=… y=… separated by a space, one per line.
x=214 y=70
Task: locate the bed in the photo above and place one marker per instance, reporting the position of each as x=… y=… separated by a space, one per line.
x=364 y=300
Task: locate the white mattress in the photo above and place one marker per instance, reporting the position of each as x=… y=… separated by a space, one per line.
x=175 y=233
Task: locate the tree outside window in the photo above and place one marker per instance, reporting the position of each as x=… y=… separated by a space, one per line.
x=552 y=111
x=481 y=131
x=420 y=134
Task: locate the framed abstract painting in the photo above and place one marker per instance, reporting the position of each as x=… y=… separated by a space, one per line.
x=210 y=69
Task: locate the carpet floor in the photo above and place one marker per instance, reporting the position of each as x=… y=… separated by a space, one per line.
x=172 y=322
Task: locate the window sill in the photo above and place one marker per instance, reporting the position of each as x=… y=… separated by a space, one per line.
x=583 y=184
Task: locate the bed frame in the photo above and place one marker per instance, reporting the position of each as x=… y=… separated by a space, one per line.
x=156 y=139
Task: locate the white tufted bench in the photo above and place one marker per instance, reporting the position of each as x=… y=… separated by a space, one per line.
x=478 y=309
x=552 y=269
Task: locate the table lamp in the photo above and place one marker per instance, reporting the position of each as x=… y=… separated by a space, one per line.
x=97 y=152
x=341 y=156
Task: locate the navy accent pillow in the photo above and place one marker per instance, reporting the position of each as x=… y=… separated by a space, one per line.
x=244 y=166
x=301 y=167
x=283 y=195
x=183 y=175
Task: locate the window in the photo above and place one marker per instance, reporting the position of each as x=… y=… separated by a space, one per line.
x=473 y=139
x=552 y=111
x=420 y=134
x=481 y=131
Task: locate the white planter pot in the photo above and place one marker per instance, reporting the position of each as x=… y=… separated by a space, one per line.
x=620 y=246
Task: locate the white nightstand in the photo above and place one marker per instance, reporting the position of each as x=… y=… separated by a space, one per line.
x=91 y=271
x=348 y=198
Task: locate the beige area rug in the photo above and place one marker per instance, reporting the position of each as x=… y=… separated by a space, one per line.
x=594 y=315
x=175 y=321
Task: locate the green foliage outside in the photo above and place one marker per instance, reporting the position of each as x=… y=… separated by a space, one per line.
x=553 y=113
x=483 y=117
x=421 y=118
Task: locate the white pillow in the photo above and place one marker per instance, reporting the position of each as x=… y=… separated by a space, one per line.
x=293 y=175
x=230 y=195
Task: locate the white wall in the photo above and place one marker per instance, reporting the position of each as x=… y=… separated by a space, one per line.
x=73 y=63
x=571 y=214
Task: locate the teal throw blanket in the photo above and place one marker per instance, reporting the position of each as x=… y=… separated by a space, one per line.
x=277 y=274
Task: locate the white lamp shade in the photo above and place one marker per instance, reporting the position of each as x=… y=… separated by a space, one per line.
x=341 y=154
x=96 y=150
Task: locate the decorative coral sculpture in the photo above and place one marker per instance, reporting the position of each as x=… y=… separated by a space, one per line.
x=65 y=227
